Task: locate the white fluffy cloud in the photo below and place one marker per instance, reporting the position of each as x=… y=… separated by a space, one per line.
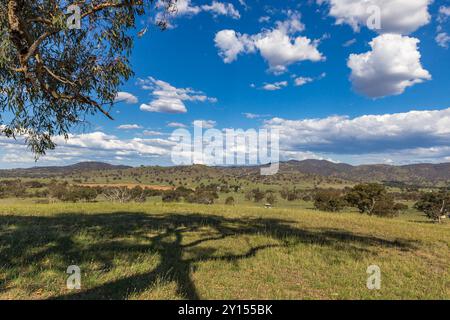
x=365 y=134
x=206 y=124
x=93 y=146
x=394 y=62
x=279 y=46
x=300 y=81
x=280 y=50
x=103 y=141
x=275 y=86
x=414 y=136
x=231 y=43
x=444 y=13
x=264 y=19
x=389 y=68
x=125 y=97
x=168 y=98
x=219 y=8
x=129 y=127
x=185 y=7
x=188 y=8
x=443 y=39
x=397 y=16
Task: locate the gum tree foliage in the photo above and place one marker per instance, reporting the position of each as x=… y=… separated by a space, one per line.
x=366 y=196
x=52 y=77
x=329 y=200
x=434 y=204
x=372 y=199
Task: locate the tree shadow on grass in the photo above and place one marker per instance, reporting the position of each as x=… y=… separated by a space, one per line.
x=32 y=240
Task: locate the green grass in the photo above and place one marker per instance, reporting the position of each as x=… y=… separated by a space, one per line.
x=179 y=251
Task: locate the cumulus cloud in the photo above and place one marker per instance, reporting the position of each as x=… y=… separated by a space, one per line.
x=103 y=141
x=188 y=8
x=394 y=62
x=125 y=97
x=206 y=124
x=396 y=16
x=129 y=127
x=93 y=146
x=300 y=81
x=443 y=39
x=275 y=86
x=185 y=7
x=231 y=43
x=264 y=19
x=219 y=8
x=280 y=51
x=365 y=134
x=279 y=46
x=414 y=136
x=444 y=13
x=389 y=68
x=168 y=98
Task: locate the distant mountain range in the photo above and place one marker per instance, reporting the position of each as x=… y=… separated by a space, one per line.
x=414 y=173
x=60 y=170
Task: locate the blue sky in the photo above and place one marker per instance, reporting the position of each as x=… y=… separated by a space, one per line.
x=335 y=88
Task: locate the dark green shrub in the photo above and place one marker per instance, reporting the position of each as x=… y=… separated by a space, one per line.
x=271 y=198
x=229 y=201
x=329 y=200
x=202 y=197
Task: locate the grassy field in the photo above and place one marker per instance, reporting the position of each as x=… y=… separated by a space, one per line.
x=179 y=251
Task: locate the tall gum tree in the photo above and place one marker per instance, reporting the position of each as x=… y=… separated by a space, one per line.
x=51 y=76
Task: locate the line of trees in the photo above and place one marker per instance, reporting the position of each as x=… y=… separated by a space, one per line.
x=374 y=200
x=369 y=198
x=258 y=195
x=204 y=194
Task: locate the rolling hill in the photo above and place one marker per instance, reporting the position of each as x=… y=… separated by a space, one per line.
x=412 y=174
x=35 y=172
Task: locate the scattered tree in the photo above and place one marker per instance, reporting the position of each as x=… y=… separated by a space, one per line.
x=171 y=196
x=229 y=201
x=124 y=194
x=366 y=196
x=434 y=204
x=329 y=200
x=202 y=197
x=373 y=199
x=271 y=198
x=258 y=195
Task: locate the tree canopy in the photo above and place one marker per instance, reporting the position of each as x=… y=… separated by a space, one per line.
x=373 y=199
x=434 y=204
x=53 y=75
